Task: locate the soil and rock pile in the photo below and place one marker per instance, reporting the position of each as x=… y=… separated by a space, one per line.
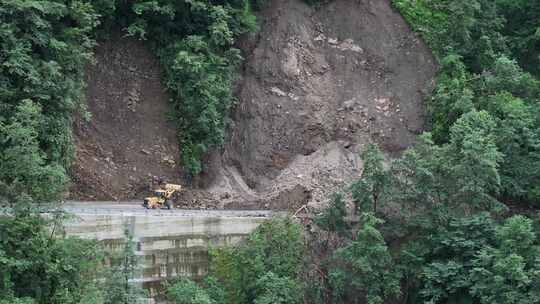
x=316 y=87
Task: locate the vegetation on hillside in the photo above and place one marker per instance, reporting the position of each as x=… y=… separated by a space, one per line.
x=489 y=53
x=44 y=47
x=38 y=268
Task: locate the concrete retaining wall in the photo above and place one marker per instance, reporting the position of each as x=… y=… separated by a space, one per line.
x=168 y=246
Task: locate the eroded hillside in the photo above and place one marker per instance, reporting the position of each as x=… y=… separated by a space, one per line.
x=127 y=142
x=316 y=87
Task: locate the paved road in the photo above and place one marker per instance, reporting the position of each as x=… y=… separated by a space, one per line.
x=135 y=208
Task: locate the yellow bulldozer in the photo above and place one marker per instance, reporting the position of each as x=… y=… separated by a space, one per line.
x=161 y=198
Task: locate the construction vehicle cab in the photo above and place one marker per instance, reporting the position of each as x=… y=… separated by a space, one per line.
x=161 y=198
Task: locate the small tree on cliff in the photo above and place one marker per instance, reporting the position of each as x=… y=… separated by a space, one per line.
x=333 y=218
x=370 y=190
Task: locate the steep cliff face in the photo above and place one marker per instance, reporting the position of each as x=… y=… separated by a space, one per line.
x=317 y=85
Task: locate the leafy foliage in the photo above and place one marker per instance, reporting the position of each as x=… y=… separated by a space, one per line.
x=522 y=31
x=508 y=271
x=273 y=289
x=367 y=267
x=265 y=268
x=333 y=218
x=437 y=181
x=371 y=190
x=441 y=261
x=202 y=81
x=187 y=292
x=477 y=260
x=23 y=166
x=479 y=44
x=455 y=249
x=44 y=47
x=36 y=266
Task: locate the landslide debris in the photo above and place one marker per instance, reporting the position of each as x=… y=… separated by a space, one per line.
x=317 y=85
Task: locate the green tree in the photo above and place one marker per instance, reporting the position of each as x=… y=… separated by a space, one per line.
x=227 y=267
x=371 y=190
x=201 y=81
x=215 y=290
x=436 y=182
x=522 y=30
x=484 y=47
x=194 y=43
x=451 y=98
x=422 y=182
x=272 y=289
x=23 y=165
x=509 y=271
x=186 y=291
x=510 y=95
x=45 y=46
x=474 y=260
x=333 y=217
x=39 y=266
x=441 y=258
x=11 y=300
x=475 y=160
x=365 y=267
x=516 y=137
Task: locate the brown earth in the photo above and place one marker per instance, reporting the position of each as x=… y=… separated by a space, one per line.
x=128 y=141
x=316 y=87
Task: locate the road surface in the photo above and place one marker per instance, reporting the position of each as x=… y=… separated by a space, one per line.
x=135 y=208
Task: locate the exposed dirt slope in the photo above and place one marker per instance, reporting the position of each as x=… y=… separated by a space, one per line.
x=316 y=87
x=127 y=141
